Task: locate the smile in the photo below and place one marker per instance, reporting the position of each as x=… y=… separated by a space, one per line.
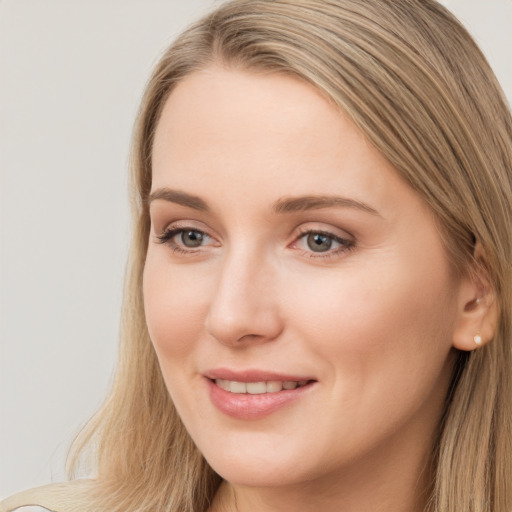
x=258 y=388
x=254 y=395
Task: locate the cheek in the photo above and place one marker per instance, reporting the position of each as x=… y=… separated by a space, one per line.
x=383 y=317
x=174 y=303
x=381 y=338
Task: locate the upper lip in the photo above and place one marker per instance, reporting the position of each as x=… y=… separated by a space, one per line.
x=253 y=375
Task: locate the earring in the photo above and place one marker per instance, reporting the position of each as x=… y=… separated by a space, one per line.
x=477 y=339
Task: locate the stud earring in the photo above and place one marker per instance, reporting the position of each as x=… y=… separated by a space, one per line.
x=477 y=339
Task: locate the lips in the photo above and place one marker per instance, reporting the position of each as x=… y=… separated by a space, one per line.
x=251 y=394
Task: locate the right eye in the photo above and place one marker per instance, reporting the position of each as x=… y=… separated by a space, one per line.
x=184 y=239
x=191 y=238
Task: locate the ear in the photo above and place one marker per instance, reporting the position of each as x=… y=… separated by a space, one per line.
x=477 y=306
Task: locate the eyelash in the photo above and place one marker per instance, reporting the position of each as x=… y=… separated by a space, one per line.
x=167 y=238
x=345 y=245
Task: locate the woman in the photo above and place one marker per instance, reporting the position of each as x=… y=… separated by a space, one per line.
x=317 y=310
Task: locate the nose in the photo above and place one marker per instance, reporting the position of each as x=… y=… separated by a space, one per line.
x=244 y=306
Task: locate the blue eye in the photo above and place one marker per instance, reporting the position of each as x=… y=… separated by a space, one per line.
x=323 y=243
x=319 y=242
x=184 y=239
x=191 y=238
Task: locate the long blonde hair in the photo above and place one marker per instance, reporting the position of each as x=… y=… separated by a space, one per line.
x=412 y=79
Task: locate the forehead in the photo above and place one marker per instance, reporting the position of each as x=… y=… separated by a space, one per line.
x=235 y=129
x=241 y=107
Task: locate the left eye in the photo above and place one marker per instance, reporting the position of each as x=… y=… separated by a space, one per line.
x=321 y=242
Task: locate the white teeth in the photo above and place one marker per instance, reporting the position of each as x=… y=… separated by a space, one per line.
x=224 y=384
x=273 y=386
x=237 y=387
x=258 y=388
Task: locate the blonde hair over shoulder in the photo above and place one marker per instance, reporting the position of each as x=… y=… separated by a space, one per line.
x=414 y=82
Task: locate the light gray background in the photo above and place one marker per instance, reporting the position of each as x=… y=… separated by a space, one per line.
x=71 y=75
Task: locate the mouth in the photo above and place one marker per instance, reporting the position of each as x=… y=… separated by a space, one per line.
x=259 y=388
x=254 y=395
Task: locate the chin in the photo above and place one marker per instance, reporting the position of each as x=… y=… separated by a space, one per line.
x=250 y=474
x=261 y=462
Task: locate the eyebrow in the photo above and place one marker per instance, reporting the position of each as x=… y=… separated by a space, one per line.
x=178 y=197
x=304 y=203
x=283 y=205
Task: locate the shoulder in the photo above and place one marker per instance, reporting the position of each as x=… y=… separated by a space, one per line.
x=31 y=508
x=71 y=496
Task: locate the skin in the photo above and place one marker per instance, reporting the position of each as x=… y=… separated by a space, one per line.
x=372 y=320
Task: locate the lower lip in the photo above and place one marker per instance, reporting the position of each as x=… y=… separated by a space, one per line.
x=245 y=406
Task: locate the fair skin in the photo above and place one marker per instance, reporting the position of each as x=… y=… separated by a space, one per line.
x=246 y=280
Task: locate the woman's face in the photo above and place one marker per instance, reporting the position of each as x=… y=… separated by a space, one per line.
x=297 y=292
